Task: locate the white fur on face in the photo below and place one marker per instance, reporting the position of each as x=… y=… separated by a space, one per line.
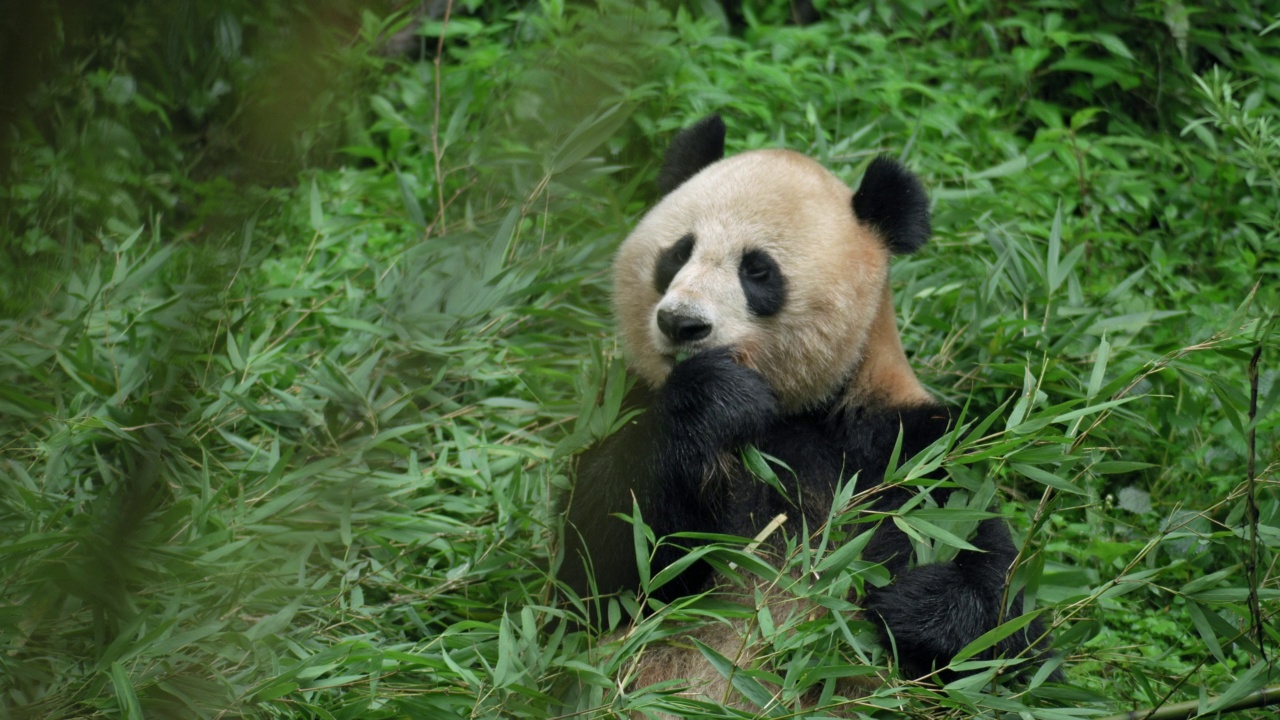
x=706 y=288
x=789 y=206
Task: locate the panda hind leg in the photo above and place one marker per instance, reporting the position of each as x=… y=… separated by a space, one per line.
x=931 y=612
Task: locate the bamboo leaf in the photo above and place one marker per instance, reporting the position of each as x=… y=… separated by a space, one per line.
x=1048 y=478
x=993 y=636
x=750 y=688
x=125 y=696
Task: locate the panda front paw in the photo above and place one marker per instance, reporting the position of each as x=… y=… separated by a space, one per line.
x=713 y=400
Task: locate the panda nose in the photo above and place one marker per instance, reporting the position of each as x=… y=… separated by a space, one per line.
x=682 y=328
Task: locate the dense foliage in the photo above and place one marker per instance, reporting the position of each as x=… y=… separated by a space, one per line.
x=306 y=309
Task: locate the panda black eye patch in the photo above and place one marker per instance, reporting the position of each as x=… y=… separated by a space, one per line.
x=762 y=283
x=670 y=262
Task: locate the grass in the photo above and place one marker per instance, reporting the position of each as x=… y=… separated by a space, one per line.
x=282 y=443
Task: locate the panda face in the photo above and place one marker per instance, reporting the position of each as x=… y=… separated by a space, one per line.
x=761 y=253
x=710 y=297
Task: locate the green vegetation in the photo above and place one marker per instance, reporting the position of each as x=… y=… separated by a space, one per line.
x=300 y=328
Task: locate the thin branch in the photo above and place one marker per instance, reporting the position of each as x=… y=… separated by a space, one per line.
x=1179 y=711
x=435 y=120
x=1251 y=508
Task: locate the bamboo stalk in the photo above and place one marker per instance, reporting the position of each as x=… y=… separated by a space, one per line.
x=1179 y=711
x=1251 y=508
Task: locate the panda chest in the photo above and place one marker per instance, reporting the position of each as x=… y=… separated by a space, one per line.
x=803 y=464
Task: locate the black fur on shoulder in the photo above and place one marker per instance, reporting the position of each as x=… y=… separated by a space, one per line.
x=892 y=200
x=692 y=149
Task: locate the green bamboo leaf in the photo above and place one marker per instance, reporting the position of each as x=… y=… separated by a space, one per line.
x=844 y=555
x=275 y=690
x=1055 y=249
x=640 y=538
x=1101 y=356
x=1254 y=678
x=617 y=382
x=672 y=571
x=233 y=352
x=19 y=402
x=1004 y=169
x=130 y=279
x=1119 y=467
x=274 y=623
x=928 y=529
x=503 y=672
x=909 y=529
x=1092 y=409
x=1131 y=322
x=360 y=325
x=955 y=514
x=758 y=464
x=1114 y=44
x=1233 y=595
x=750 y=688
x=993 y=636
x=1103 y=73
x=126 y=697
x=590 y=134
x=1048 y=478
x=1206 y=632
x=383 y=108
x=317 y=212
x=412 y=207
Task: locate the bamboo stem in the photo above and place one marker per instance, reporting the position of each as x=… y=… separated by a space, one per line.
x=1179 y=711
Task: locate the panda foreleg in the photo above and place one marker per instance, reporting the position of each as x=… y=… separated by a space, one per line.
x=931 y=612
x=659 y=462
x=709 y=404
x=712 y=403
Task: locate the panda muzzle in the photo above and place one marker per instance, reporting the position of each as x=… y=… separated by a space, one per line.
x=682 y=329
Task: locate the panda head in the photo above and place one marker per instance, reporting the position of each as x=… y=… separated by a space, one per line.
x=770 y=254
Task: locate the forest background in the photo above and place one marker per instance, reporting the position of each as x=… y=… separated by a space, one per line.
x=304 y=308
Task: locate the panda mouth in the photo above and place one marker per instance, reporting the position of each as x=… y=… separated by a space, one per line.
x=675 y=353
x=675 y=356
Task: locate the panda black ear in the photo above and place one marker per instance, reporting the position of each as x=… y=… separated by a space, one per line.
x=692 y=149
x=892 y=200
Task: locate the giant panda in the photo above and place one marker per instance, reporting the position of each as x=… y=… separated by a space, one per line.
x=754 y=307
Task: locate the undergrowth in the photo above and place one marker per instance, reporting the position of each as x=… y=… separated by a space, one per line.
x=279 y=431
